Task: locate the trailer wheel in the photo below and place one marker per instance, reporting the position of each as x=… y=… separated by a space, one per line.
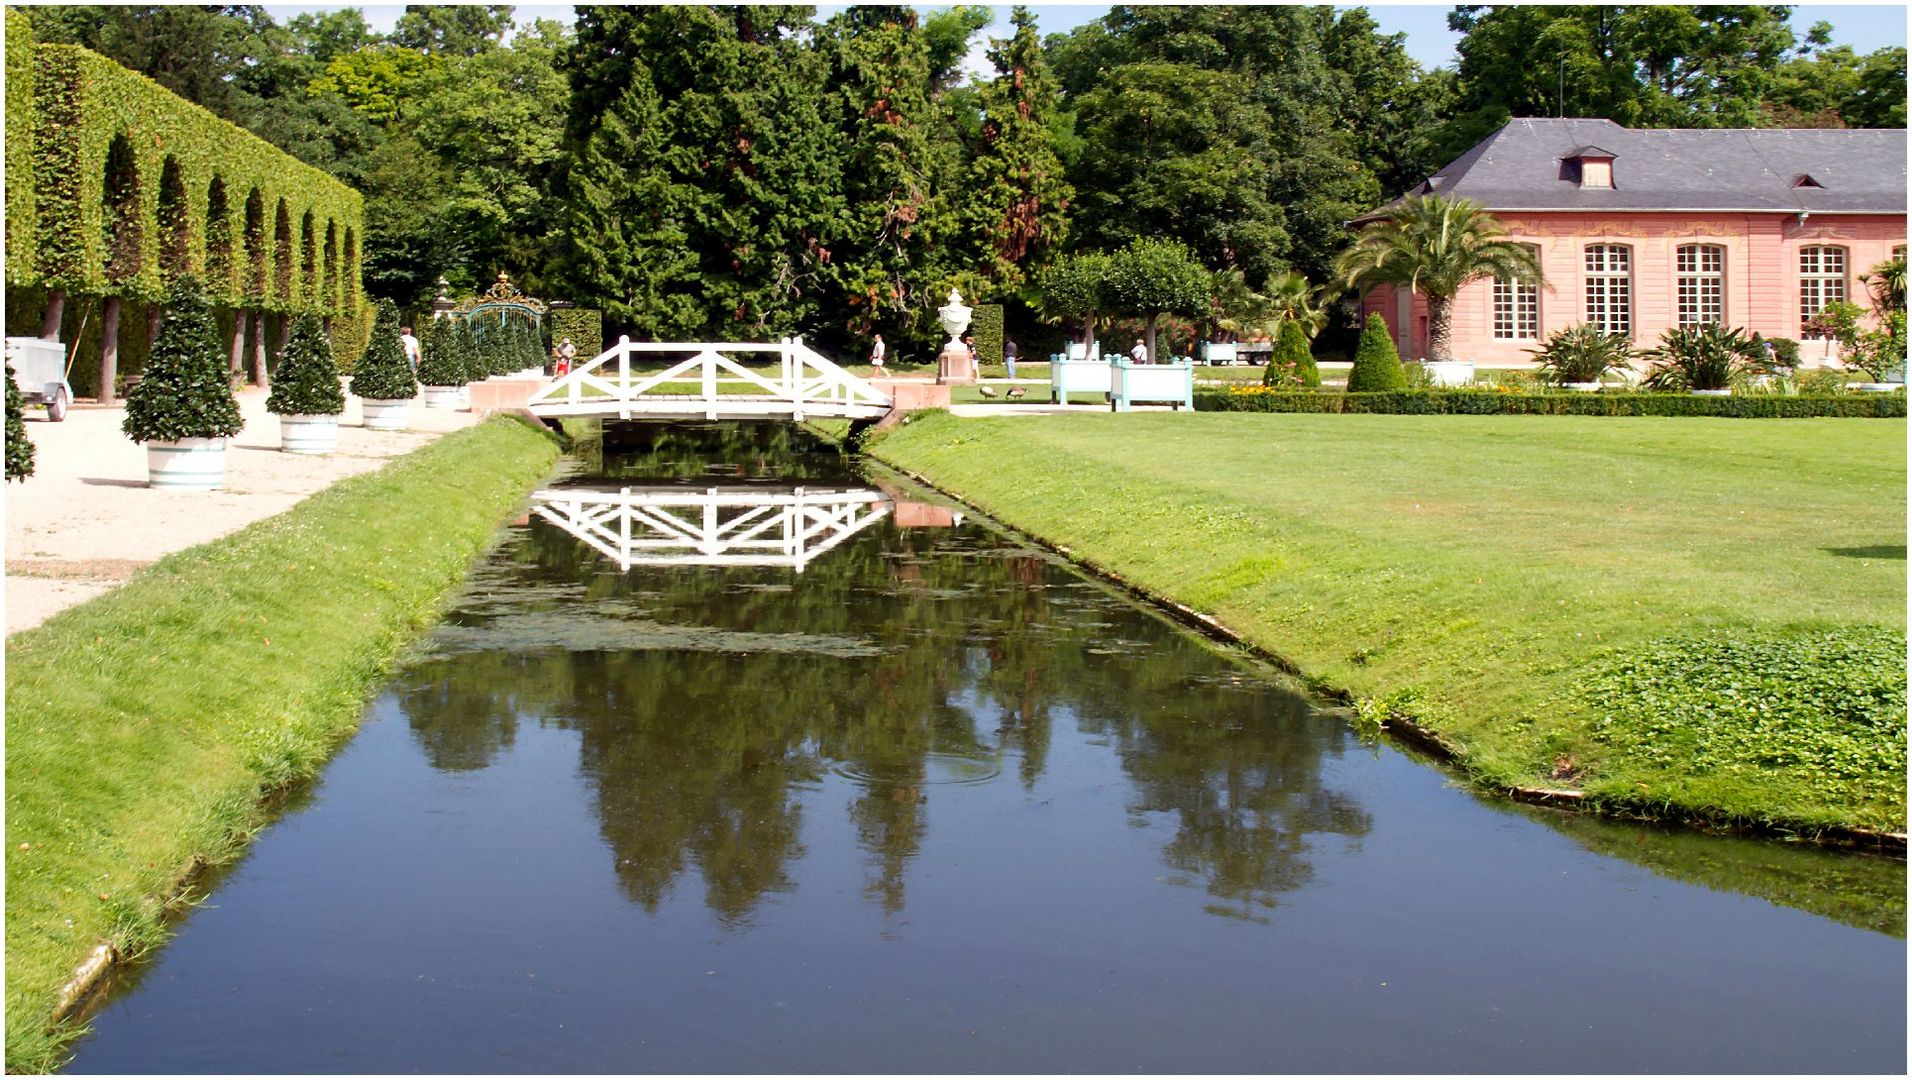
x=56 y=405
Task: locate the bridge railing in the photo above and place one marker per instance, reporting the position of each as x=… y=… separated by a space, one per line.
x=633 y=378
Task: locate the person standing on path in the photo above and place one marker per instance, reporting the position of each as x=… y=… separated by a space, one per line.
x=566 y=353
x=411 y=346
x=1140 y=354
x=877 y=352
x=1009 y=351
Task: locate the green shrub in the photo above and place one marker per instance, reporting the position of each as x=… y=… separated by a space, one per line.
x=1582 y=353
x=306 y=382
x=19 y=449
x=1830 y=704
x=1708 y=357
x=21 y=234
x=383 y=373
x=470 y=355
x=1377 y=367
x=1785 y=352
x=1472 y=402
x=1291 y=363
x=439 y=363
x=351 y=333
x=1822 y=382
x=585 y=328
x=186 y=392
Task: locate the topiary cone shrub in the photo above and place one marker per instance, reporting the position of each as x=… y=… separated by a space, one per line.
x=1377 y=366
x=186 y=392
x=440 y=363
x=1291 y=363
x=19 y=450
x=306 y=383
x=383 y=373
x=470 y=355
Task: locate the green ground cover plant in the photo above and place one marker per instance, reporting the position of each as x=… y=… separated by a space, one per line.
x=146 y=728
x=1491 y=574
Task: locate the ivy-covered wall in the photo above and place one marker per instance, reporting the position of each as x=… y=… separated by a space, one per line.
x=86 y=109
x=20 y=230
x=583 y=326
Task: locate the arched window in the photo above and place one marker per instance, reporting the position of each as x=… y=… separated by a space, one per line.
x=218 y=237
x=1702 y=284
x=1610 y=288
x=175 y=231
x=120 y=221
x=1822 y=283
x=1517 y=307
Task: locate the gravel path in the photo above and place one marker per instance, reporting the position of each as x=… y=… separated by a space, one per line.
x=86 y=521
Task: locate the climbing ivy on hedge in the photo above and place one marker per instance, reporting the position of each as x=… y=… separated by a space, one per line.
x=583 y=326
x=985 y=327
x=20 y=218
x=81 y=102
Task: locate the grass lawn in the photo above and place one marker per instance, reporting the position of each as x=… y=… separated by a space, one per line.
x=146 y=728
x=1636 y=608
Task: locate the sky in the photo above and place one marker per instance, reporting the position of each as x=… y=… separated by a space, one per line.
x=1865 y=27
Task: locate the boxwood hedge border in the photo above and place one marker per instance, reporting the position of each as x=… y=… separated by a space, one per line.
x=1480 y=403
x=56 y=181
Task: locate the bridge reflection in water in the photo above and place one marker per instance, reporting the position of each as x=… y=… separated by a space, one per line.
x=725 y=526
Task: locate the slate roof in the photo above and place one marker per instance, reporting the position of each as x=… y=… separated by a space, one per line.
x=1520 y=167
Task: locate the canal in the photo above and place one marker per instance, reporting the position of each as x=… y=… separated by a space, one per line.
x=936 y=802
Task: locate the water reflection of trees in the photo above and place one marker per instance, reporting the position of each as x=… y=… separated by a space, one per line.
x=897 y=654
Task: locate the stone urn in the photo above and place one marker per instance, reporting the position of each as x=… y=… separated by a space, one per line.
x=954 y=365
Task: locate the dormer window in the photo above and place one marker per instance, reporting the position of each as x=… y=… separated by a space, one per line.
x=1806 y=180
x=1589 y=167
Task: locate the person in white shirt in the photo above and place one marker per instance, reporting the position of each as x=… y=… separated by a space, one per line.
x=1140 y=354
x=411 y=345
x=876 y=352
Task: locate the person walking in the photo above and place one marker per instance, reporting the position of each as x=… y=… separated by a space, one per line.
x=1009 y=351
x=406 y=339
x=566 y=353
x=877 y=353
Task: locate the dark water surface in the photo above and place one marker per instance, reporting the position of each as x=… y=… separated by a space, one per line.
x=938 y=803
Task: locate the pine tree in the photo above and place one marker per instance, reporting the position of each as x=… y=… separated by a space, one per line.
x=306 y=383
x=186 y=392
x=383 y=373
x=19 y=449
x=1376 y=365
x=1016 y=183
x=439 y=363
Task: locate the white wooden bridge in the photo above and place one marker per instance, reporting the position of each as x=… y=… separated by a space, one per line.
x=675 y=526
x=634 y=380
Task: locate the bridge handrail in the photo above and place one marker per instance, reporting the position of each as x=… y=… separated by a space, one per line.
x=805 y=377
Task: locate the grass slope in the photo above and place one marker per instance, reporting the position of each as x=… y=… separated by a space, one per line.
x=146 y=728
x=1489 y=567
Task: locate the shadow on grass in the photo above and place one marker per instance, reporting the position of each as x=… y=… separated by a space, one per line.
x=1876 y=551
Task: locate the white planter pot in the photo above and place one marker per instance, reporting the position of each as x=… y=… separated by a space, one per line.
x=309 y=433
x=1879 y=387
x=1583 y=387
x=443 y=397
x=1710 y=393
x=1449 y=372
x=186 y=464
x=384 y=415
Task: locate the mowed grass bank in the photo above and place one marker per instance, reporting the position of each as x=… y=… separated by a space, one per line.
x=146 y=729
x=1684 y=617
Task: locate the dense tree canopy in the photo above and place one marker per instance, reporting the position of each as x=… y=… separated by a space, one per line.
x=750 y=171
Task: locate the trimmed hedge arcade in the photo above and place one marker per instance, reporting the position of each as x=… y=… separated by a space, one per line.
x=127 y=183
x=585 y=328
x=1492 y=403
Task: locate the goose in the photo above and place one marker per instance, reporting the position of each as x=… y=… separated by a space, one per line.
x=986 y=391
x=1017 y=391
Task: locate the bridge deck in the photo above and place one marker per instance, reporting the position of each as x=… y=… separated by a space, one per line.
x=619 y=384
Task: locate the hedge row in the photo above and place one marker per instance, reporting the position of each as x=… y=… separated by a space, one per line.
x=179 y=173
x=583 y=326
x=20 y=230
x=986 y=331
x=1479 y=403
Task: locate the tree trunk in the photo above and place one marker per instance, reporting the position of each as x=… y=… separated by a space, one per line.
x=153 y=313
x=237 y=360
x=109 y=349
x=1440 y=328
x=259 y=349
x=1088 y=330
x=1151 y=335
x=285 y=335
x=55 y=313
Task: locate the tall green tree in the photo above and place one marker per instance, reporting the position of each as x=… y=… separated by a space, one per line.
x=452 y=29
x=1435 y=245
x=1152 y=278
x=1017 y=193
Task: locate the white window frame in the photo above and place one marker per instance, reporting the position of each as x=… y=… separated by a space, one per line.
x=1607 y=294
x=1700 y=284
x=1822 y=283
x=1516 y=307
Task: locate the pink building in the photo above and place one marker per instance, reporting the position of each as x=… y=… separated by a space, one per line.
x=1642 y=230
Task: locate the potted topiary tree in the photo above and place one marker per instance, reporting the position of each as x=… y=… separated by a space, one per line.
x=383 y=379
x=305 y=391
x=440 y=368
x=183 y=408
x=19 y=450
x=1377 y=366
x=465 y=342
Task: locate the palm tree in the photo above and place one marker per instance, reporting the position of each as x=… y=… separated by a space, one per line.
x=1435 y=245
x=1283 y=296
